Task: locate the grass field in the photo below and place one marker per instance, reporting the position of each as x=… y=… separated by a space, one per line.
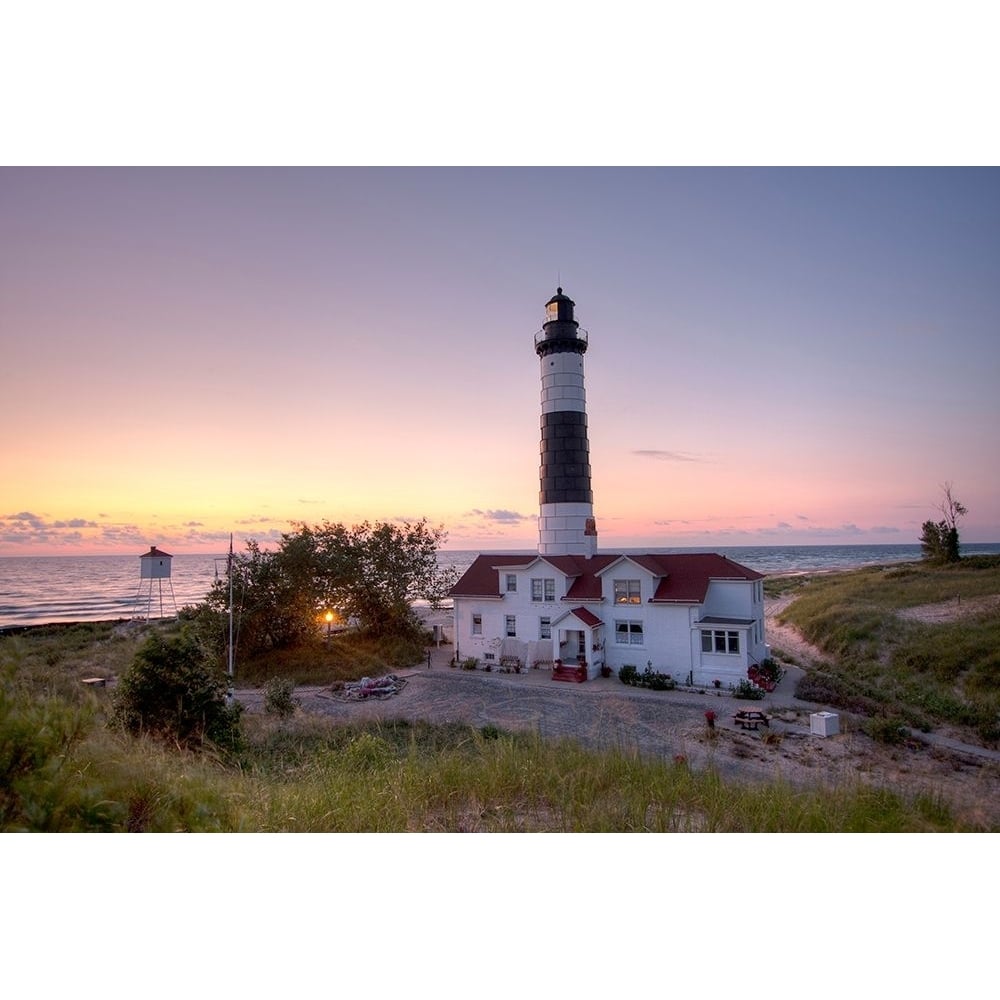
x=914 y=643
x=63 y=768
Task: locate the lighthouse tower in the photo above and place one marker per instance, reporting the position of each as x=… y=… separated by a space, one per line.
x=566 y=524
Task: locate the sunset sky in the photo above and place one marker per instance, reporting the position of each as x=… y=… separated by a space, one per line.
x=777 y=356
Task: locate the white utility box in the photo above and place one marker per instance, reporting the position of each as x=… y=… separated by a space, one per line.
x=824 y=723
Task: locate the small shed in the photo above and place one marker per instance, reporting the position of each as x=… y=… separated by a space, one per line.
x=154 y=565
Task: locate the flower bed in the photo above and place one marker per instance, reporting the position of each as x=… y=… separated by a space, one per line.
x=765 y=675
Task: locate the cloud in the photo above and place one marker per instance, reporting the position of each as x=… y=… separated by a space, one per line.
x=802 y=517
x=301 y=500
x=666 y=456
x=503 y=516
x=193 y=524
x=27 y=528
x=783 y=524
x=116 y=534
x=25 y=515
x=885 y=530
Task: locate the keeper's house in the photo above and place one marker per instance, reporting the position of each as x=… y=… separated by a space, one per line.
x=698 y=617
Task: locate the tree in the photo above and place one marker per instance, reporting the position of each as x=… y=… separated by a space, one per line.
x=368 y=574
x=373 y=573
x=939 y=539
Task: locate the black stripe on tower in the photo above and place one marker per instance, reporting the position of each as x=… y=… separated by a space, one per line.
x=564 y=474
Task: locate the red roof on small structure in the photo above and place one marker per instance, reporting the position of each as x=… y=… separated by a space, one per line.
x=153 y=552
x=587 y=617
x=681 y=577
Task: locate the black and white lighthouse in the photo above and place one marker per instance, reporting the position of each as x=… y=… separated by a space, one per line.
x=566 y=524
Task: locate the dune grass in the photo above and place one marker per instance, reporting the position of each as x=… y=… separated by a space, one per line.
x=62 y=768
x=925 y=674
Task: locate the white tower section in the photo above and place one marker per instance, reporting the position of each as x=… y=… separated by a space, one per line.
x=566 y=524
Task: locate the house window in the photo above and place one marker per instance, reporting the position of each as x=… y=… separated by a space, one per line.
x=477 y=624
x=719 y=641
x=544 y=628
x=511 y=626
x=628 y=633
x=543 y=589
x=626 y=591
x=511 y=583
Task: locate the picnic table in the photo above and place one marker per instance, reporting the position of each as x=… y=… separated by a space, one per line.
x=750 y=718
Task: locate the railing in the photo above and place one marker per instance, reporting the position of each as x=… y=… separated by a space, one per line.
x=579 y=334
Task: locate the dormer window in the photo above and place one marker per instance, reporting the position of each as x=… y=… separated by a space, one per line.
x=627 y=592
x=511 y=583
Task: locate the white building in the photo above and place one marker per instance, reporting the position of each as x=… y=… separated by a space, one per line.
x=698 y=617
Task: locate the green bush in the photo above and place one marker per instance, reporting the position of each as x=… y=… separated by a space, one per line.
x=886 y=729
x=278 y=698
x=748 y=691
x=770 y=671
x=171 y=692
x=649 y=678
x=656 y=681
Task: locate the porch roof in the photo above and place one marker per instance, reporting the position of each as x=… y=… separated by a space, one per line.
x=584 y=615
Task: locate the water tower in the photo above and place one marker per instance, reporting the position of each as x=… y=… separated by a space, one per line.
x=154 y=566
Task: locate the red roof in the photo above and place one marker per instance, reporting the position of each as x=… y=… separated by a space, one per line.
x=683 y=577
x=154 y=551
x=587 y=617
x=482 y=578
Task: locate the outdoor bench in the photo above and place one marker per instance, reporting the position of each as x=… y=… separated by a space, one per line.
x=750 y=719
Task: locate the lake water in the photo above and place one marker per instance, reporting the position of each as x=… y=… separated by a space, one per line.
x=36 y=590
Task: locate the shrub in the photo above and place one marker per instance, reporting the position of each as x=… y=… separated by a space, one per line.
x=656 y=681
x=172 y=693
x=770 y=670
x=649 y=678
x=886 y=729
x=748 y=691
x=278 y=698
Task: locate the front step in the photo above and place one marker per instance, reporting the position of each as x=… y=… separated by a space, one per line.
x=575 y=674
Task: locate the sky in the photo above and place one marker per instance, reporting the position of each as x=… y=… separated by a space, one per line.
x=777 y=356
